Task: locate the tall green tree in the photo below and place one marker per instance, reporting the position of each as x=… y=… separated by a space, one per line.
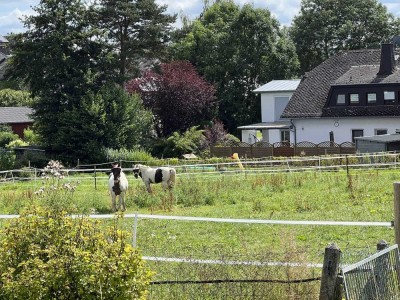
x=61 y=57
x=138 y=29
x=324 y=27
x=237 y=49
x=110 y=118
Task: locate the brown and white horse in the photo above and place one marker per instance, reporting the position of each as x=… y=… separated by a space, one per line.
x=117 y=185
x=164 y=175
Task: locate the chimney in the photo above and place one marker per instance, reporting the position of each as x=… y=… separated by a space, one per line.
x=388 y=62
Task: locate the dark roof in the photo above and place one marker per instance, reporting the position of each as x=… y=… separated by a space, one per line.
x=10 y=115
x=367 y=74
x=362 y=111
x=311 y=95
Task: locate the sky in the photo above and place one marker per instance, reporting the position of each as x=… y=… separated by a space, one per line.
x=11 y=11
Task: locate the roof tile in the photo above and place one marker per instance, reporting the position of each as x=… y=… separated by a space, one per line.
x=10 y=115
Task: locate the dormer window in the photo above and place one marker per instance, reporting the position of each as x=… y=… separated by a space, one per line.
x=354 y=99
x=341 y=99
x=363 y=95
x=389 y=96
x=371 y=98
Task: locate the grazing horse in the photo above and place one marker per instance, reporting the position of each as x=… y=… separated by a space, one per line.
x=163 y=175
x=117 y=185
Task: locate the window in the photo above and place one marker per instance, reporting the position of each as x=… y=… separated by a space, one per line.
x=280 y=104
x=380 y=131
x=341 y=99
x=371 y=98
x=356 y=133
x=285 y=135
x=388 y=96
x=354 y=99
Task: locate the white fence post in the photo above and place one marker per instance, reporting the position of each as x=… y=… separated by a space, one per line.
x=134 y=230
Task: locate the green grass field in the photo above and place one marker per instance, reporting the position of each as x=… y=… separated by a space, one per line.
x=317 y=196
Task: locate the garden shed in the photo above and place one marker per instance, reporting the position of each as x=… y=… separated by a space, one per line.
x=378 y=143
x=19 y=118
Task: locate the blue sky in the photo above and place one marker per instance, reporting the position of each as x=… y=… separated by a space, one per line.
x=11 y=11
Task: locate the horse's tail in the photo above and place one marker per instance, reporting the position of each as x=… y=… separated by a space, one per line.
x=172 y=176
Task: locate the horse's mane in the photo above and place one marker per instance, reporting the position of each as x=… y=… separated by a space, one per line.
x=140 y=166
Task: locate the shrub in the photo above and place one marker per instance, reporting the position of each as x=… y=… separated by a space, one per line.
x=191 y=141
x=16 y=143
x=130 y=155
x=216 y=133
x=7 y=159
x=7 y=137
x=31 y=137
x=45 y=254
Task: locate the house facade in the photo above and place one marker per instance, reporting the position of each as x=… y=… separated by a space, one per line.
x=352 y=94
x=355 y=93
x=275 y=96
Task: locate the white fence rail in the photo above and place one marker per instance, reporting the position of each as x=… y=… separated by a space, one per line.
x=229 y=220
x=251 y=167
x=224 y=220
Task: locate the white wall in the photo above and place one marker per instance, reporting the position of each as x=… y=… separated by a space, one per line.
x=271 y=111
x=317 y=130
x=248 y=136
x=274 y=135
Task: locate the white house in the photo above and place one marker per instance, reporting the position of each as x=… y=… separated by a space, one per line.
x=275 y=96
x=354 y=93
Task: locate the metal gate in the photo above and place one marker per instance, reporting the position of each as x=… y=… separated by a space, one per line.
x=374 y=278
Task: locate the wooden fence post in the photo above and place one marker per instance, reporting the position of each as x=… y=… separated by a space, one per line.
x=382 y=245
x=330 y=285
x=396 y=187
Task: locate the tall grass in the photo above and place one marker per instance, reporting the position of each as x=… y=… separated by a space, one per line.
x=362 y=196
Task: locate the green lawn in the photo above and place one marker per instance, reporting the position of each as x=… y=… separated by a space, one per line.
x=364 y=196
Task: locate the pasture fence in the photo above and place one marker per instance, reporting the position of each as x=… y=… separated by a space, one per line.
x=349 y=163
x=376 y=277
x=259 y=277
x=229 y=278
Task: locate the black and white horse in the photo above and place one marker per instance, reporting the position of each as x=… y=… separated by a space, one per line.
x=164 y=175
x=117 y=185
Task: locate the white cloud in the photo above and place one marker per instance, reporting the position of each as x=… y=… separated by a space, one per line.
x=11 y=22
x=178 y=5
x=283 y=10
x=394 y=8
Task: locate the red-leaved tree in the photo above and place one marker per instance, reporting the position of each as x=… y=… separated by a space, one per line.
x=178 y=97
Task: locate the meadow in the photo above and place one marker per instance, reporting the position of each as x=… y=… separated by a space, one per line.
x=361 y=195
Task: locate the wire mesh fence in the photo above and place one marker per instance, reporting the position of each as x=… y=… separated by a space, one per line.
x=376 y=277
x=232 y=279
